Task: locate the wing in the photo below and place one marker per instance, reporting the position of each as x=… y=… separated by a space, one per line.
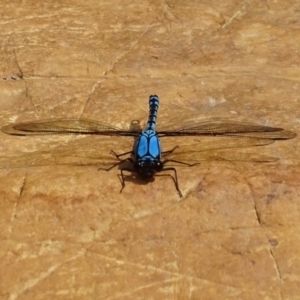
x=217 y=148
x=24 y=160
x=67 y=126
x=89 y=150
x=92 y=151
x=48 y=158
x=220 y=127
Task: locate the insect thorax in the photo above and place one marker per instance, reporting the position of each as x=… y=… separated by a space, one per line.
x=148 y=146
x=147 y=153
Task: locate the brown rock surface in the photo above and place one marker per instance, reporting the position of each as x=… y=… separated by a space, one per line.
x=67 y=232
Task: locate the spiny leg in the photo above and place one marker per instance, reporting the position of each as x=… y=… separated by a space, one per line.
x=119 y=162
x=175 y=172
x=179 y=162
x=170 y=151
x=175 y=180
x=122 y=177
x=118 y=155
x=116 y=164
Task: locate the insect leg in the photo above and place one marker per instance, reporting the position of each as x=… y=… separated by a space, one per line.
x=122 y=178
x=116 y=164
x=170 y=151
x=118 y=155
x=175 y=179
x=179 y=162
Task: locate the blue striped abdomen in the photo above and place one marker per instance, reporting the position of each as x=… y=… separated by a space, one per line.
x=153 y=108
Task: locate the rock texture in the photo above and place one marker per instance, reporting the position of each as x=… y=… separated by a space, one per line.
x=67 y=232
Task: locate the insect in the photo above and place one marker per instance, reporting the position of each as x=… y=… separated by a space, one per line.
x=147 y=158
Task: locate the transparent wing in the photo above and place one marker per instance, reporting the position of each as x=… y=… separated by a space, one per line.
x=46 y=158
x=24 y=160
x=219 y=148
x=82 y=152
x=222 y=127
x=65 y=126
x=92 y=151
